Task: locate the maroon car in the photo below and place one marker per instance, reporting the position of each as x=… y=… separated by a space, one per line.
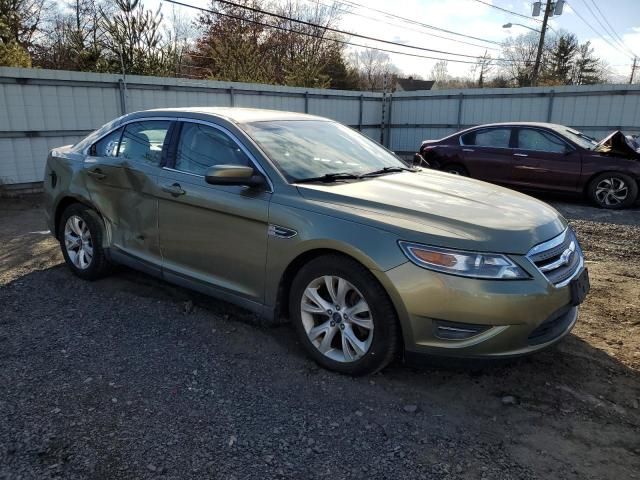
x=542 y=156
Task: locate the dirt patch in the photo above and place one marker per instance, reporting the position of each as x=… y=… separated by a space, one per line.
x=129 y=377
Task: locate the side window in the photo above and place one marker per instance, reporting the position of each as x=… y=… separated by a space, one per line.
x=529 y=139
x=201 y=147
x=107 y=146
x=143 y=141
x=493 y=137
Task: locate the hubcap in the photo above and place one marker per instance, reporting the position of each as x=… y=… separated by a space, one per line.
x=611 y=191
x=337 y=319
x=78 y=243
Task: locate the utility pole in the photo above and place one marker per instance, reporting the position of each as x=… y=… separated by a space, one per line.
x=633 y=69
x=536 y=66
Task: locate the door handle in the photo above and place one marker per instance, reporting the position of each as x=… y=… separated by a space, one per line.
x=97 y=174
x=468 y=150
x=520 y=155
x=175 y=189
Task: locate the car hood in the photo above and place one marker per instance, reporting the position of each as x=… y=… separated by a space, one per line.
x=443 y=209
x=617 y=144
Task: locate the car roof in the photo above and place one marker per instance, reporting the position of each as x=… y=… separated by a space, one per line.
x=236 y=114
x=554 y=126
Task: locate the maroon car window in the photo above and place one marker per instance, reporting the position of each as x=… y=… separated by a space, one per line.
x=530 y=139
x=493 y=137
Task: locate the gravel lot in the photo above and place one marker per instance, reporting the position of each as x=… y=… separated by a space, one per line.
x=130 y=377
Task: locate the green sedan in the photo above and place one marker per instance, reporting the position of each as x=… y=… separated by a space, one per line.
x=298 y=217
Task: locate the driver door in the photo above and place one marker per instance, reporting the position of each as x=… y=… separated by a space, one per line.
x=212 y=236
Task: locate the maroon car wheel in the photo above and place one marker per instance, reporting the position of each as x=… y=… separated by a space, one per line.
x=613 y=190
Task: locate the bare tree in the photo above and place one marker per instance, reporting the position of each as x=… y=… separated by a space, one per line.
x=483 y=68
x=373 y=67
x=519 y=55
x=20 y=20
x=73 y=39
x=440 y=73
x=178 y=35
x=302 y=52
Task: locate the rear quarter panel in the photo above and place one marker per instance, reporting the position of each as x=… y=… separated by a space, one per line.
x=63 y=179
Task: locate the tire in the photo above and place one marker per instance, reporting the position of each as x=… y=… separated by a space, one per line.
x=455 y=170
x=76 y=220
x=376 y=346
x=612 y=190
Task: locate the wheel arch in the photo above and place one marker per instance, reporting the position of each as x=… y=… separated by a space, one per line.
x=63 y=203
x=294 y=266
x=593 y=176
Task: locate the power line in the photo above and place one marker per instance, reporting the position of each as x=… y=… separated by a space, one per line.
x=510 y=12
x=415 y=22
x=336 y=40
x=610 y=31
x=397 y=24
x=591 y=27
x=327 y=28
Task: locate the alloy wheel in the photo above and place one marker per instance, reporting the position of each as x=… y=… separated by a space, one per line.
x=611 y=191
x=337 y=318
x=78 y=242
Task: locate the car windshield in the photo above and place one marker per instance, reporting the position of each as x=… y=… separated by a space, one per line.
x=580 y=138
x=306 y=149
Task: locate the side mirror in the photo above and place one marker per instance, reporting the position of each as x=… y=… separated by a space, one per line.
x=233 y=175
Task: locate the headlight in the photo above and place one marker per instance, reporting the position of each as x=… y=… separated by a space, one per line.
x=466 y=264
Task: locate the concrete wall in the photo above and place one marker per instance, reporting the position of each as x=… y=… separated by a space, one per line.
x=42 y=109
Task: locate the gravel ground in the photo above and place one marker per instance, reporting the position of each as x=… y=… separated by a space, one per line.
x=129 y=377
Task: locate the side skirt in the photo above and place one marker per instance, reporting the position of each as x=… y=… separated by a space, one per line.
x=123 y=258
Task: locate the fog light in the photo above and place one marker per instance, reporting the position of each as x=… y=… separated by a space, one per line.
x=457 y=331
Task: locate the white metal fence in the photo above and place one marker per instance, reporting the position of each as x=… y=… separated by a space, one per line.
x=42 y=109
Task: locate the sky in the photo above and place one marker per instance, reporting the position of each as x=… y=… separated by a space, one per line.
x=472 y=17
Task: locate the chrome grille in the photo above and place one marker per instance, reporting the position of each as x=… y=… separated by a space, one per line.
x=559 y=259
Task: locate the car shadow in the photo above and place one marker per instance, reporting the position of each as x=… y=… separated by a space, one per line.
x=578 y=209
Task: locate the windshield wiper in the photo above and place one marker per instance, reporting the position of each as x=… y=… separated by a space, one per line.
x=330 y=177
x=384 y=170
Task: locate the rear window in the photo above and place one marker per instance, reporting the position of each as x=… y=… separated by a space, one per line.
x=492 y=137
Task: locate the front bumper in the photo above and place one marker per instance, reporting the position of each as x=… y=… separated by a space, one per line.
x=520 y=316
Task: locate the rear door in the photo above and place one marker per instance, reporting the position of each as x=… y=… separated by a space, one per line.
x=121 y=176
x=487 y=153
x=543 y=160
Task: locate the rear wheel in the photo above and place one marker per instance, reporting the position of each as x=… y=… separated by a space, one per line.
x=613 y=190
x=343 y=316
x=456 y=170
x=81 y=233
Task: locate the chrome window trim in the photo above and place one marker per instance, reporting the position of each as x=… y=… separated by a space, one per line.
x=169 y=169
x=85 y=151
x=233 y=137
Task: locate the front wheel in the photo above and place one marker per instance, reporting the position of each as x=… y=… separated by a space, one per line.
x=343 y=316
x=613 y=190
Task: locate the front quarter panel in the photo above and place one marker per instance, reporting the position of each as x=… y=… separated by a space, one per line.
x=375 y=248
